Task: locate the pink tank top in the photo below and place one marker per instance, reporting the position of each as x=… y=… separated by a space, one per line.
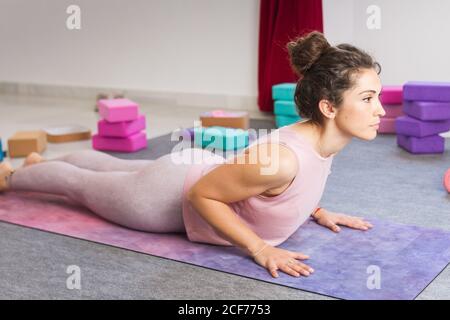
x=274 y=219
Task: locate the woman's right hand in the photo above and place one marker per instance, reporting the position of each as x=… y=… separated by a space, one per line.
x=273 y=258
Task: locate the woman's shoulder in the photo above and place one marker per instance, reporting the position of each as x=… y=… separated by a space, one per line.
x=274 y=159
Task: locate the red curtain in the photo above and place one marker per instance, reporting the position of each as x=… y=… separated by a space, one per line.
x=281 y=21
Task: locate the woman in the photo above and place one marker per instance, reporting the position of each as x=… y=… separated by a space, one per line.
x=247 y=201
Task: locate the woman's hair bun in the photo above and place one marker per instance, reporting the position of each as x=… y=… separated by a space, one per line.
x=306 y=50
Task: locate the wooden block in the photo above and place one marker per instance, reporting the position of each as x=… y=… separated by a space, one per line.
x=67 y=134
x=235 y=119
x=23 y=143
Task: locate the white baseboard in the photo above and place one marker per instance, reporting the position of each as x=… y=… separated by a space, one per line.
x=203 y=100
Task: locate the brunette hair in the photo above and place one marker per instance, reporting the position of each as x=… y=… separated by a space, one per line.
x=325 y=72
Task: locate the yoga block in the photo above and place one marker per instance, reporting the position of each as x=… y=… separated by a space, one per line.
x=430 y=144
x=391 y=95
x=409 y=126
x=283 y=91
x=427 y=110
x=428 y=91
x=131 y=143
x=281 y=121
x=285 y=108
x=191 y=132
x=230 y=119
x=115 y=110
x=393 y=110
x=121 y=129
x=447 y=180
x=222 y=138
x=23 y=143
x=67 y=134
x=387 y=125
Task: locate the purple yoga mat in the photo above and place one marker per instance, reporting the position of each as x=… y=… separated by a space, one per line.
x=407 y=258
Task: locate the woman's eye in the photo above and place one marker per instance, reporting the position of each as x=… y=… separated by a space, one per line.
x=367 y=99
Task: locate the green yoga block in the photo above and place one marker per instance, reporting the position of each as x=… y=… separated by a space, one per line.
x=283 y=91
x=282 y=121
x=222 y=138
x=285 y=108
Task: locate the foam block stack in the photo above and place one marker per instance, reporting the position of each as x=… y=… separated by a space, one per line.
x=122 y=127
x=284 y=109
x=391 y=99
x=427 y=109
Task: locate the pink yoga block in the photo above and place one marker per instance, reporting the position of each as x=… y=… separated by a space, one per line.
x=387 y=125
x=447 y=180
x=132 y=143
x=391 y=95
x=393 y=110
x=115 y=110
x=121 y=129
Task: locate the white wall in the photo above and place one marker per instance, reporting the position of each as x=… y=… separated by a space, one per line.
x=412 y=44
x=201 y=46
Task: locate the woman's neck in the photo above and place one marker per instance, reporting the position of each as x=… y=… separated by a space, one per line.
x=327 y=140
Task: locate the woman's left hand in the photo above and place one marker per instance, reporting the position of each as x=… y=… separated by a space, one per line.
x=332 y=221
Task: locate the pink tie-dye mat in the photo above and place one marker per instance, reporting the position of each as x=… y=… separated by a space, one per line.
x=391 y=261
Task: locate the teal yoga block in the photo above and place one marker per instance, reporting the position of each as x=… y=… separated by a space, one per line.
x=1 y=150
x=285 y=108
x=283 y=91
x=222 y=138
x=282 y=121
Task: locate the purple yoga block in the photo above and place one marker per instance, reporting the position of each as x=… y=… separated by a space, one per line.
x=409 y=126
x=428 y=91
x=132 y=143
x=121 y=129
x=427 y=110
x=430 y=144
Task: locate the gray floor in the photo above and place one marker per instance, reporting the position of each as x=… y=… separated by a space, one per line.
x=370 y=179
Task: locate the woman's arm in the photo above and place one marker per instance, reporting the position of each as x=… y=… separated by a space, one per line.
x=240 y=180
x=236 y=181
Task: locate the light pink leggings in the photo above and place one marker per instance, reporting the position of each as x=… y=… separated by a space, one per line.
x=144 y=195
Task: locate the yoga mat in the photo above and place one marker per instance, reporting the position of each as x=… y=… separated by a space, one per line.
x=407 y=258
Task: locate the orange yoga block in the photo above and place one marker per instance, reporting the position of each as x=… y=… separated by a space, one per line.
x=230 y=119
x=23 y=143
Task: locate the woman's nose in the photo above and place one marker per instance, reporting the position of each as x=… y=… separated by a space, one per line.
x=380 y=110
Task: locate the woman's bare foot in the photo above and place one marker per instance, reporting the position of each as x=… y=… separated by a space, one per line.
x=6 y=170
x=32 y=158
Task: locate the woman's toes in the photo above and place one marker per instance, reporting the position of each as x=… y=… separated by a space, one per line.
x=5 y=172
x=32 y=158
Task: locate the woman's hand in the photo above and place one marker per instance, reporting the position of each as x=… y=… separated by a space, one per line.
x=332 y=221
x=273 y=258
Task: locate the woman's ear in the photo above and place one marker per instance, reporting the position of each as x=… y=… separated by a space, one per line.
x=327 y=109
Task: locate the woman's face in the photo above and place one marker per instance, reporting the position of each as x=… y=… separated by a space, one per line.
x=361 y=108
